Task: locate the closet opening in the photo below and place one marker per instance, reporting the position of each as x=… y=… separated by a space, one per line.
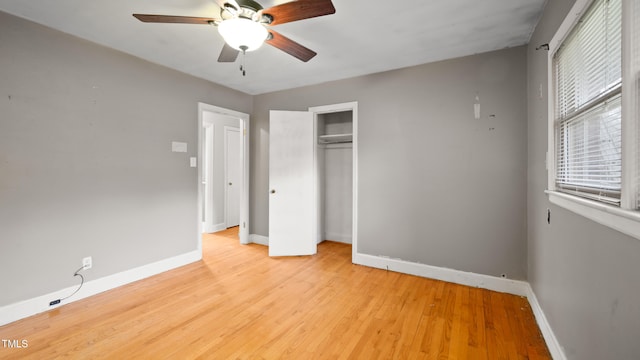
x=335 y=175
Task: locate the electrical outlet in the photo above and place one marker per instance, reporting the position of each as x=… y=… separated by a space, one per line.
x=87 y=263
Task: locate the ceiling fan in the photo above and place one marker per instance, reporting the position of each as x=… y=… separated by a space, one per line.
x=245 y=25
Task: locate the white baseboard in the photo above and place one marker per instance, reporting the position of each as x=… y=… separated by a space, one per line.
x=555 y=349
x=338 y=237
x=259 y=239
x=213 y=228
x=264 y=240
x=515 y=287
x=26 y=308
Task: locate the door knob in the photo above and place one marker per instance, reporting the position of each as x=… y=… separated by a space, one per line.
x=273 y=191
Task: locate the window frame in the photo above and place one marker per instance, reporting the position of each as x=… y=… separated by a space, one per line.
x=626 y=217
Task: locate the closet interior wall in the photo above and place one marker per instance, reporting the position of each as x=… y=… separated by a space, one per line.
x=335 y=176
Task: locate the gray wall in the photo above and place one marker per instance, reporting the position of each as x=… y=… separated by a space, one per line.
x=585 y=275
x=86 y=167
x=436 y=186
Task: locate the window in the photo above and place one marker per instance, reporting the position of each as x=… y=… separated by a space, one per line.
x=587 y=71
x=594 y=126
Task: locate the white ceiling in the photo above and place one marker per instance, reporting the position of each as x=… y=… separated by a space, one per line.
x=362 y=37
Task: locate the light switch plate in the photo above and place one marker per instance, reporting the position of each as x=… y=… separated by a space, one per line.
x=193 y=161
x=178 y=146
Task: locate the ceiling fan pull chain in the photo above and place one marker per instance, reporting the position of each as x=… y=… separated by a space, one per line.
x=242 y=68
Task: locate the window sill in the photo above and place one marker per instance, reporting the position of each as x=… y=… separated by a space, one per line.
x=625 y=221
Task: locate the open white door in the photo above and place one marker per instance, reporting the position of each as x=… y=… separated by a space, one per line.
x=292 y=198
x=233 y=179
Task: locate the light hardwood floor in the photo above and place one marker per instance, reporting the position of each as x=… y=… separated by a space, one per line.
x=240 y=304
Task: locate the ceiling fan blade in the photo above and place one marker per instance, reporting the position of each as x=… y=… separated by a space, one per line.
x=290 y=47
x=228 y=54
x=169 y=19
x=298 y=10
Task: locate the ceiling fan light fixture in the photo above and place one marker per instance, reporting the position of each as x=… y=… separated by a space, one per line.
x=243 y=34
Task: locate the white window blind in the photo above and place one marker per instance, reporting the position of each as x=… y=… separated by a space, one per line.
x=588 y=82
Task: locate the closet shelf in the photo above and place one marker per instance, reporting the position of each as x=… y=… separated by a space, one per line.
x=335 y=138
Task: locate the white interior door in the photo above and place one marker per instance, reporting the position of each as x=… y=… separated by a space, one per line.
x=292 y=197
x=232 y=176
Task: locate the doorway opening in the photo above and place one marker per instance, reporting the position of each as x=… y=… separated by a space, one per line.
x=223 y=171
x=336 y=163
x=334 y=158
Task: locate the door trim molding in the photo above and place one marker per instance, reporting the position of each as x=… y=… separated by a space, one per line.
x=245 y=123
x=206 y=180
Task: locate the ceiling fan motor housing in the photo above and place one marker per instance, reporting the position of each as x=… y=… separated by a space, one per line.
x=249 y=4
x=249 y=9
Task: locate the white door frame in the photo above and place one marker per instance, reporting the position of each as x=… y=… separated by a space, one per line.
x=353 y=107
x=207 y=143
x=244 y=122
x=227 y=129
